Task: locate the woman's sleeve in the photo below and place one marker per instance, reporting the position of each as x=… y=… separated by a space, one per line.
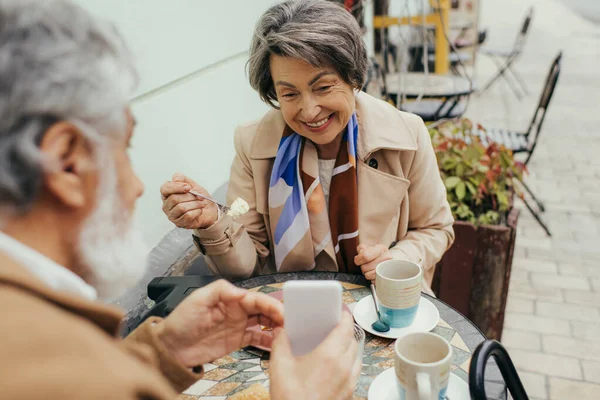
x=237 y=249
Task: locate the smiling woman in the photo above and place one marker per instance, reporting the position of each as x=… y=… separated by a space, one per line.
x=315 y=102
x=336 y=180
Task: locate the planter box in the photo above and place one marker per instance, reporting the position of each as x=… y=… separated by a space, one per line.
x=474 y=274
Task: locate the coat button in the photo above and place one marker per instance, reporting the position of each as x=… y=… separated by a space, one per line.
x=373 y=163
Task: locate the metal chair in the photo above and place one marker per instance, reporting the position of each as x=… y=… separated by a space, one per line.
x=504 y=59
x=526 y=142
x=487 y=349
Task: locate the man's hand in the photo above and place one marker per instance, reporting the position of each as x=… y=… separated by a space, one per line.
x=369 y=257
x=328 y=372
x=212 y=322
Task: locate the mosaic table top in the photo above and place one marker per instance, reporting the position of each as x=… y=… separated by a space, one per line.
x=244 y=368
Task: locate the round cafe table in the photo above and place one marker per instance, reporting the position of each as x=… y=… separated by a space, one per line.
x=242 y=369
x=414 y=84
x=441 y=95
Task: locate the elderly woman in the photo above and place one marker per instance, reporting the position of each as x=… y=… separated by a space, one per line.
x=336 y=180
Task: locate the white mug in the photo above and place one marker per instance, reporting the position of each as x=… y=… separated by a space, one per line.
x=422 y=363
x=398 y=288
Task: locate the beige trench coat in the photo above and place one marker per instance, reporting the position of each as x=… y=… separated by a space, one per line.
x=400 y=193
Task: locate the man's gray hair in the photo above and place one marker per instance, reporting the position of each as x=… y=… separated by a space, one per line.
x=57 y=63
x=319 y=32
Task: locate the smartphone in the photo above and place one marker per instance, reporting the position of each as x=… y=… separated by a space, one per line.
x=311 y=310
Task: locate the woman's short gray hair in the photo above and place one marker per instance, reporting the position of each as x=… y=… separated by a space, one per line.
x=57 y=63
x=319 y=32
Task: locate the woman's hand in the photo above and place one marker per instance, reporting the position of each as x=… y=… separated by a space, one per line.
x=369 y=257
x=183 y=208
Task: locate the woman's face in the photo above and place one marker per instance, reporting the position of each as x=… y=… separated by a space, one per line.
x=315 y=102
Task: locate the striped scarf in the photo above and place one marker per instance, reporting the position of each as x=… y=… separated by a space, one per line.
x=297 y=203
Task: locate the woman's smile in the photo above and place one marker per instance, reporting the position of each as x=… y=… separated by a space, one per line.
x=320 y=125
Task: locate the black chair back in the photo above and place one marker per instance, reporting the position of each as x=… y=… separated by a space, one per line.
x=537 y=121
x=483 y=352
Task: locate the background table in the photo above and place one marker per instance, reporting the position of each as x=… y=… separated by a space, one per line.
x=413 y=84
x=442 y=96
x=241 y=369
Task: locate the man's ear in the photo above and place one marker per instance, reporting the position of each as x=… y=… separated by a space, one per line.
x=72 y=178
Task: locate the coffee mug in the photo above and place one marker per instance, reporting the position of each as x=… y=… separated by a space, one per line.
x=398 y=289
x=422 y=363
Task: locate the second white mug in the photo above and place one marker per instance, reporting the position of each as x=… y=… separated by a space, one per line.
x=422 y=363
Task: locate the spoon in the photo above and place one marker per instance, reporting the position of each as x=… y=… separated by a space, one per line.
x=224 y=209
x=378 y=325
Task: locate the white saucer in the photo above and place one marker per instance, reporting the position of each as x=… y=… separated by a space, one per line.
x=384 y=387
x=426 y=319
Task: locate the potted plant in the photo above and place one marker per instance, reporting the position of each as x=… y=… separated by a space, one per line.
x=474 y=274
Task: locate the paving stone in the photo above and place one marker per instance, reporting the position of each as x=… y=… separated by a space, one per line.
x=515 y=304
x=519 y=275
x=526 y=291
x=591 y=371
x=586 y=331
x=580 y=297
x=535 y=385
x=546 y=364
x=566 y=255
x=572 y=312
x=590 y=255
x=580 y=270
x=570 y=347
x=584 y=223
x=515 y=339
x=531 y=265
x=559 y=282
x=568 y=207
x=520 y=252
x=537 y=243
x=562 y=389
x=533 y=323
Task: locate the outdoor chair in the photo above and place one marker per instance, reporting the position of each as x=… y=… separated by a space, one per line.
x=479 y=360
x=504 y=59
x=526 y=142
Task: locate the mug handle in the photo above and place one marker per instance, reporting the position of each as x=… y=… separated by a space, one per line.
x=424 y=386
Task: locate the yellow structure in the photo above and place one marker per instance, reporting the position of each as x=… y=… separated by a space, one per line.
x=439 y=19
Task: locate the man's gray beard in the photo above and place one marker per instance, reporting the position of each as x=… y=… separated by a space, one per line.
x=111 y=250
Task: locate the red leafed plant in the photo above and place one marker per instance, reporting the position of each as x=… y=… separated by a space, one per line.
x=480 y=180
